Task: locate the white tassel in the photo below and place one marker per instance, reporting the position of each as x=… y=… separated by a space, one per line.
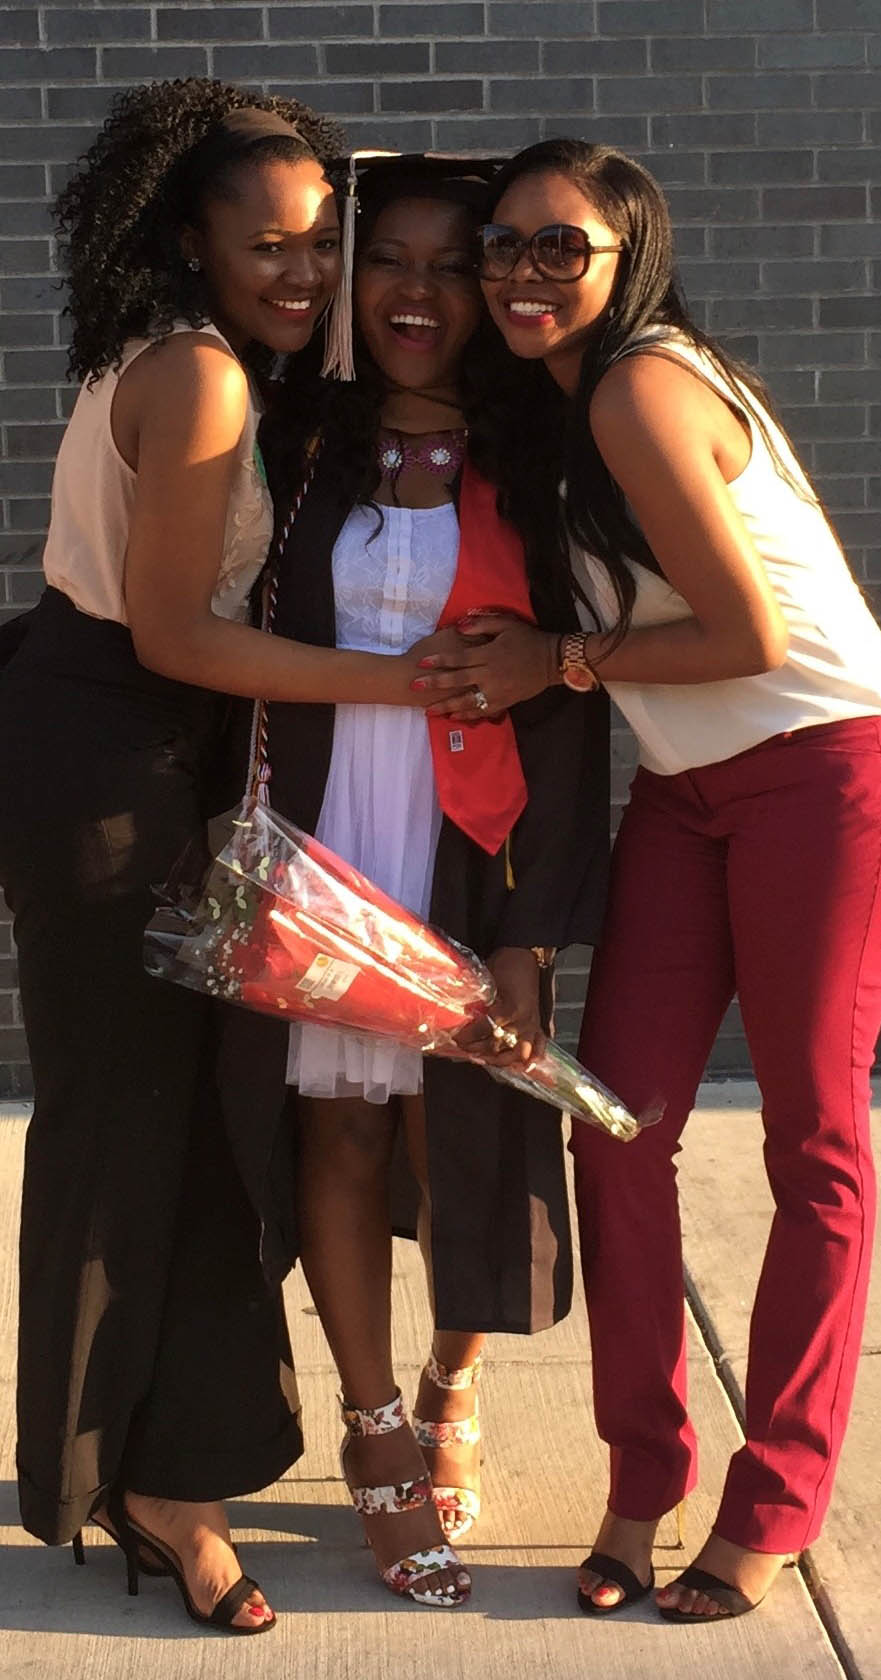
x=339 y=360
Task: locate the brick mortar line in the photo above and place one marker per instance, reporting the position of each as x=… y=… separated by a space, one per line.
x=643 y=72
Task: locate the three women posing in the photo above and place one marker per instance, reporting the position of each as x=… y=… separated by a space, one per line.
x=726 y=626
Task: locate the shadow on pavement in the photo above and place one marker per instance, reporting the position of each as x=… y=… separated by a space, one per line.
x=44 y=1591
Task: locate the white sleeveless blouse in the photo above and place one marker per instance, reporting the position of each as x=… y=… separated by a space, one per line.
x=93 y=494
x=832 y=670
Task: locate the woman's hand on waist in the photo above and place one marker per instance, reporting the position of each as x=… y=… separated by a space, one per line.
x=447 y=646
x=502 y=659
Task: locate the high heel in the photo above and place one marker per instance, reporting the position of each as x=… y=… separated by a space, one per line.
x=729 y=1599
x=134 y=1540
x=408 y=1577
x=147 y=1566
x=458 y=1507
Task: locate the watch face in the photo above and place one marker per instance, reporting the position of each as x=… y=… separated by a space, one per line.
x=580 y=678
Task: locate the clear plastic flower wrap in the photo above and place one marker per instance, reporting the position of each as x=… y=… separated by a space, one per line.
x=557 y=1078
x=282 y=925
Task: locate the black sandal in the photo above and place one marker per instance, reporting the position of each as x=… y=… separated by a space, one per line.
x=731 y=1600
x=620 y=1576
x=148 y=1567
x=133 y=1539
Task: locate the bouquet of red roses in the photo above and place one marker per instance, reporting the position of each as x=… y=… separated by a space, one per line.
x=282 y=925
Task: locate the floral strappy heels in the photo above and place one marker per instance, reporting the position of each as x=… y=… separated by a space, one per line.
x=458 y=1507
x=419 y=1574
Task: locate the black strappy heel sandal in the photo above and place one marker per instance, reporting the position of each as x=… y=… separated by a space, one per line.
x=732 y=1601
x=620 y=1576
x=147 y=1566
x=133 y=1539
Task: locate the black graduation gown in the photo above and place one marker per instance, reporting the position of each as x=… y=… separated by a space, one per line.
x=501 y=1247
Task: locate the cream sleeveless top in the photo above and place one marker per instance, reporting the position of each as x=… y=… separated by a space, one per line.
x=832 y=669
x=93 y=494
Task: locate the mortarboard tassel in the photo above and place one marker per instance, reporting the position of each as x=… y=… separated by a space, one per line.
x=339 y=361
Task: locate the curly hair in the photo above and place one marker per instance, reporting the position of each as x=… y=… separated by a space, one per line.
x=149 y=172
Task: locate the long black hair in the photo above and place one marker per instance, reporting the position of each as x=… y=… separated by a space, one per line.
x=160 y=156
x=646 y=295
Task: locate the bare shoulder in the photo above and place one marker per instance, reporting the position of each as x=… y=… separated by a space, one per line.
x=192 y=362
x=655 y=405
x=640 y=394
x=188 y=386
x=194 y=357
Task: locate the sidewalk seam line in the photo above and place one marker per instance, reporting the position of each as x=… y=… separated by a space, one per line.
x=805 y=1564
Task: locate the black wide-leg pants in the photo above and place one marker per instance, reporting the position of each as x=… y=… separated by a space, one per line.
x=150 y=1349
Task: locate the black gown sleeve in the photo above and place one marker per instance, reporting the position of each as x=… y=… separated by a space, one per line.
x=559 y=847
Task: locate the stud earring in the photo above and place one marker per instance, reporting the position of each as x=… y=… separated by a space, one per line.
x=194 y=265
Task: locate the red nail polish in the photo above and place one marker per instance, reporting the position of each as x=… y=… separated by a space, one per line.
x=417 y=683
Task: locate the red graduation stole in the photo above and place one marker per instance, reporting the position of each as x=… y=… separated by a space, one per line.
x=477 y=770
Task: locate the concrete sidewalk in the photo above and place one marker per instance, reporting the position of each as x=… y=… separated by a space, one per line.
x=544 y=1482
x=726 y=1209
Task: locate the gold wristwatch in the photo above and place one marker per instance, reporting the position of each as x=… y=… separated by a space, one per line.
x=575 y=667
x=545 y=955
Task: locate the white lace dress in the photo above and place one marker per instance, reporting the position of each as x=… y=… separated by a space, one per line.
x=380 y=809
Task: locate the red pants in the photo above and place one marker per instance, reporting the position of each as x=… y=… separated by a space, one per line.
x=758 y=874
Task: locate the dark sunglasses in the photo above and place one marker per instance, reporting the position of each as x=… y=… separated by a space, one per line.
x=558 y=252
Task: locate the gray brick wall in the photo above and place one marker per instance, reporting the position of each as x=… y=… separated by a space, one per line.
x=761 y=118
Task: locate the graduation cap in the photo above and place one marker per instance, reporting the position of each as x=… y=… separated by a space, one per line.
x=375 y=179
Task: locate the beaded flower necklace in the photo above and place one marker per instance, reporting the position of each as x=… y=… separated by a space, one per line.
x=441 y=453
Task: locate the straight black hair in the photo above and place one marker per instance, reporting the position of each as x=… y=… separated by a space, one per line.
x=646 y=296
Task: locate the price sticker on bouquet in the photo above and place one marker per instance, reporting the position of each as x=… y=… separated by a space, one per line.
x=328 y=977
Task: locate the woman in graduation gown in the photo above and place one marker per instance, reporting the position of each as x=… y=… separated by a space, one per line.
x=497 y=834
